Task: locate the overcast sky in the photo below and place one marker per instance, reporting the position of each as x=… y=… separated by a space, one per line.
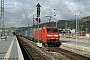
x=20 y=12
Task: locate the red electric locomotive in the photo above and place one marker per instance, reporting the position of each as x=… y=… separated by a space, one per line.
x=49 y=35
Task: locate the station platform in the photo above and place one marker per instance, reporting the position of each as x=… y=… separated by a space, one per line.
x=78 y=46
x=10 y=49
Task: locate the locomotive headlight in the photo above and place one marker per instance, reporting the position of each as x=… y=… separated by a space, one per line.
x=53 y=35
x=56 y=35
x=56 y=38
x=49 y=35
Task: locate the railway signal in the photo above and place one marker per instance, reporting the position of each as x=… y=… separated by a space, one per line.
x=38 y=20
x=38 y=13
x=38 y=10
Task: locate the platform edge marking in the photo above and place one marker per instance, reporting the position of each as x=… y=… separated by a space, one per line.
x=9 y=51
x=20 y=55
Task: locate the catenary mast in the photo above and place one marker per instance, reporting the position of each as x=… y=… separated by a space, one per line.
x=2 y=18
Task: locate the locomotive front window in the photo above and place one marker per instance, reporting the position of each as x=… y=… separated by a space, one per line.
x=52 y=30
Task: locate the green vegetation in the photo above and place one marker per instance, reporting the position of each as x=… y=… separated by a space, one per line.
x=85 y=21
x=56 y=57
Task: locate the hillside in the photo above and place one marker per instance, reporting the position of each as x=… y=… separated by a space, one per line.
x=83 y=23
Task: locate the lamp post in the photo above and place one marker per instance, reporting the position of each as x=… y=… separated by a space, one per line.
x=86 y=28
x=56 y=23
x=66 y=25
x=76 y=27
x=81 y=29
x=49 y=18
x=33 y=19
x=56 y=20
x=78 y=21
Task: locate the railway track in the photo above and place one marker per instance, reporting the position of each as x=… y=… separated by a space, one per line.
x=33 y=53
x=68 y=54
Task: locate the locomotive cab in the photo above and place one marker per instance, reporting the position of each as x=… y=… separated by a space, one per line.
x=48 y=35
x=51 y=36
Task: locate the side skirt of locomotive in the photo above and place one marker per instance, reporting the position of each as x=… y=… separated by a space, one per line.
x=49 y=43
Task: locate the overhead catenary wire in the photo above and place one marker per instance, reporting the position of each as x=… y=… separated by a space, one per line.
x=31 y=8
x=24 y=10
x=34 y=5
x=73 y=2
x=64 y=7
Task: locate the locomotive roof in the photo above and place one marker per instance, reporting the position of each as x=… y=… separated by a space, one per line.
x=50 y=27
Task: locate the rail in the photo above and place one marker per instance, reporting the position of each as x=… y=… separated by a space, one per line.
x=69 y=54
x=33 y=52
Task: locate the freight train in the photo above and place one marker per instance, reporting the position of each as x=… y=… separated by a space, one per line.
x=48 y=35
